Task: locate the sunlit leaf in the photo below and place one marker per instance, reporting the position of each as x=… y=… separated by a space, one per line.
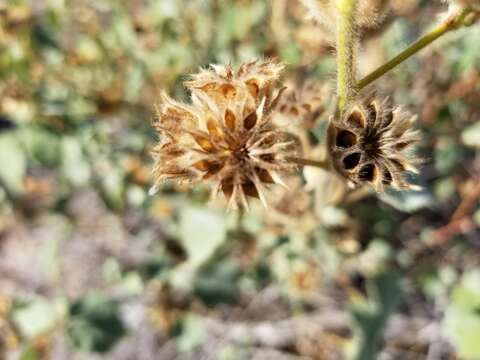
x=202 y=230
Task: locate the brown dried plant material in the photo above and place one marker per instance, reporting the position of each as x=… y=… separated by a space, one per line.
x=318 y=343
x=371 y=144
x=226 y=137
x=299 y=109
x=302 y=104
x=369 y=13
x=306 y=279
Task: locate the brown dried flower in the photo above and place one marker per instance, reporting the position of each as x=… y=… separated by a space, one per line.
x=226 y=136
x=371 y=144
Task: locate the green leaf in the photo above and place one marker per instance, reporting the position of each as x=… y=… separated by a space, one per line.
x=447 y=155
x=95 y=324
x=408 y=201
x=387 y=295
x=462 y=318
x=13 y=163
x=38 y=316
x=217 y=283
x=113 y=188
x=75 y=168
x=202 y=230
x=41 y=145
x=192 y=333
x=471 y=135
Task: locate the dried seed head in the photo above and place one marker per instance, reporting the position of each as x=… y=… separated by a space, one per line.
x=302 y=104
x=300 y=107
x=371 y=144
x=222 y=84
x=226 y=137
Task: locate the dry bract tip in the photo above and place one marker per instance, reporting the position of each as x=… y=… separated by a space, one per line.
x=225 y=137
x=371 y=144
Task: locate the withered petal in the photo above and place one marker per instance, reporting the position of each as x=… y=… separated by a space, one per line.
x=253 y=87
x=250 y=189
x=250 y=121
x=264 y=176
x=357 y=118
x=204 y=142
x=230 y=120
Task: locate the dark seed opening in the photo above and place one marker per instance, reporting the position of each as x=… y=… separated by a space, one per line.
x=367 y=173
x=346 y=139
x=268 y=157
x=250 y=189
x=264 y=175
x=400 y=167
x=357 y=119
x=250 y=121
x=401 y=146
x=230 y=119
x=227 y=187
x=388 y=119
x=387 y=177
x=372 y=110
x=351 y=161
x=213 y=170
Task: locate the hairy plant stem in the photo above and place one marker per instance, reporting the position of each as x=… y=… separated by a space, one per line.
x=452 y=23
x=240 y=217
x=309 y=162
x=346 y=39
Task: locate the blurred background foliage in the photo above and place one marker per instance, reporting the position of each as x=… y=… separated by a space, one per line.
x=91 y=267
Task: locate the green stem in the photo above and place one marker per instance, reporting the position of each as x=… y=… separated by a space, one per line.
x=452 y=23
x=346 y=38
x=309 y=162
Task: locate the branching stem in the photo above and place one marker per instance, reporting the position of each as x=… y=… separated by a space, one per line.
x=452 y=23
x=310 y=162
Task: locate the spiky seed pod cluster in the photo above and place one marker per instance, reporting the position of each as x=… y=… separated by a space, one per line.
x=226 y=136
x=372 y=144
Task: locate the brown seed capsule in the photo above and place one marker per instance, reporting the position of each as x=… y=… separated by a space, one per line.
x=371 y=144
x=226 y=137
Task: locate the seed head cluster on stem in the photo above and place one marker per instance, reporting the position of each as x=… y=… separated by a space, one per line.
x=372 y=144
